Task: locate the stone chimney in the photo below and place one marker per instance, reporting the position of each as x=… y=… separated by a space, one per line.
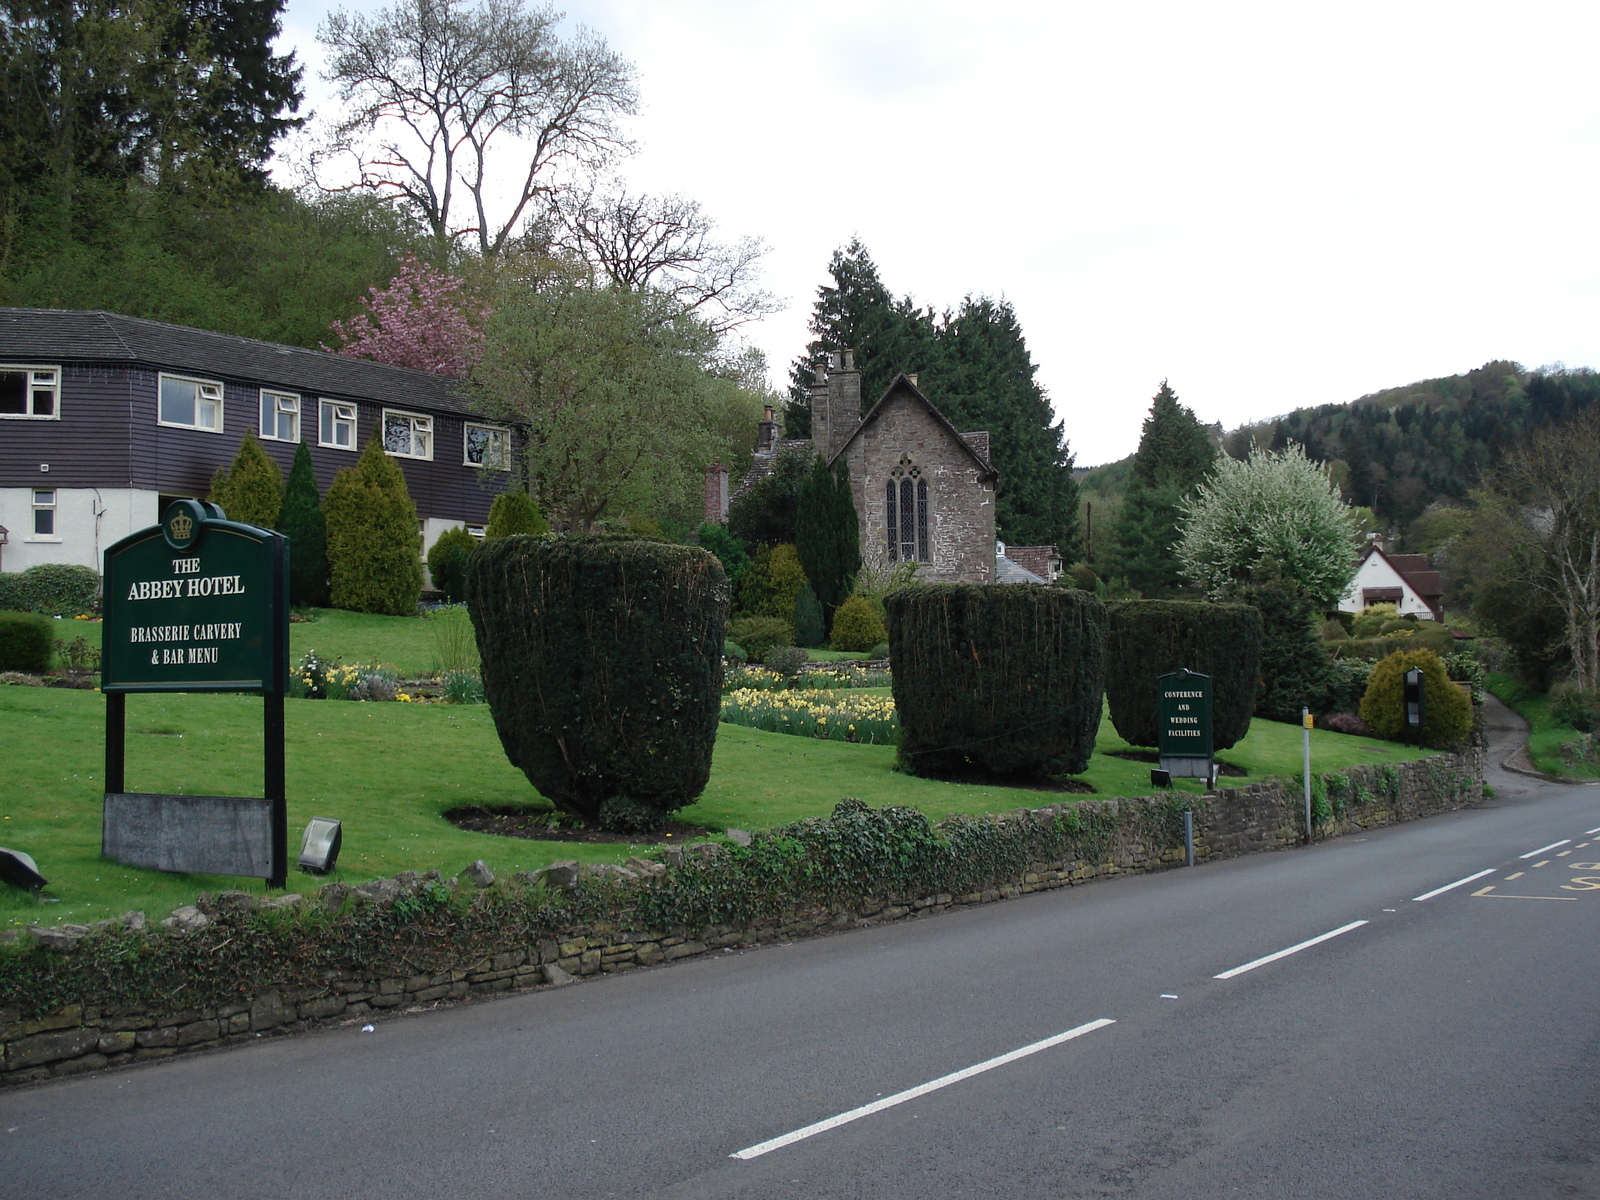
x=717 y=490
x=820 y=413
x=844 y=404
x=767 y=432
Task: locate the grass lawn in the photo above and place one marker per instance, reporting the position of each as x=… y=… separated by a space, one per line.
x=389 y=770
x=1546 y=735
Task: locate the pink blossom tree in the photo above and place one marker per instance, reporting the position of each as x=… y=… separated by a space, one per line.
x=425 y=319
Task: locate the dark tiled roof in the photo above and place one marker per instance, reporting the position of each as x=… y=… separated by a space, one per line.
x=61 y=335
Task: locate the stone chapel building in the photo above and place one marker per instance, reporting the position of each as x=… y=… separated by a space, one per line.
x=924 y=492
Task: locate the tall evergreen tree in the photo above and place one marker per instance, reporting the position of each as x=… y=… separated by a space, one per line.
x=856 y=312
x=828 y=535
x=300 y=520
x=373 y=547
x=1174 y=455
x=252 y=491
x=984 y=379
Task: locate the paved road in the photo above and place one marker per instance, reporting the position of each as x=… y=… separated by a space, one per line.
x=1446 y=1047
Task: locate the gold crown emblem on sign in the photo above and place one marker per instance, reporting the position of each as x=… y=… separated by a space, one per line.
x=182 y=526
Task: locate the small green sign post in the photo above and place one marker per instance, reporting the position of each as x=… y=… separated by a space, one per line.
x=197 y=604
x=1184 y=734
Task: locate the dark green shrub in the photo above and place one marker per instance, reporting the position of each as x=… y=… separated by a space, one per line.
x=1148 y=638
x=54 y=589
x=808 y=620
x=27 y=642
x=1295 y=669
x=856 y=626
x=878 y=652
x=14 y=594
x=373 y=547
x=300 y=519
x=512 y=513
x=1006 y=678
x=732 y=649
x=447 y=562
x=1576 y=708
x=730 y=551
x=602 y=665
x=786 y=660
x=759 y=635
x=1447 y=715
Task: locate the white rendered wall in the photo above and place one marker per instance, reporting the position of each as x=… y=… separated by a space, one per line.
x=1375 y=572
x=87 y=521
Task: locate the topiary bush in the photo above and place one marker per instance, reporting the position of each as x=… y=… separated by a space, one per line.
x=1447 y=715
x=54 y=589
x=27 y=642
x=857 y=626
x=759 y=636
x=1148 y=638
x=602 y=665
x=512 y=513
x=447 y=562
x=1005 y=678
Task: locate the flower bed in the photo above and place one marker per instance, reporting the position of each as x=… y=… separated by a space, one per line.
x=836 y=717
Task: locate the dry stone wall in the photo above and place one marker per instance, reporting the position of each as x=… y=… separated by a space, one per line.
x=461 y=945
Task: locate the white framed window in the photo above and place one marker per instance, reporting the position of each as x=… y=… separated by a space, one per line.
x=336 y=425
x=280 y=416
x=33 y=393
x=487 y=446
x=407 y=435
x=191 y=403
x=44 y=515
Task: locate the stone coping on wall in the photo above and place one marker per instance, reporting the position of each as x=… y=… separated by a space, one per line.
x=92 y=1034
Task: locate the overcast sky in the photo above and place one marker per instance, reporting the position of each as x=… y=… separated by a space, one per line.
x=1269 y=204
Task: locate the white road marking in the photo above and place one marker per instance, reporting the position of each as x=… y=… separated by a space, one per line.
x=1542 y=849
x=944 y=1081
x=1168 y=996
x=1587 y=832
x=1261 y=962
x=1441 y=890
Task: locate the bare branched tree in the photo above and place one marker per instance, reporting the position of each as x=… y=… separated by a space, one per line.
x=467 y=113
x=665 y=243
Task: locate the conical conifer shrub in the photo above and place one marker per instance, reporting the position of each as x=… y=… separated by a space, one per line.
x=301 y=521
x=374 y=549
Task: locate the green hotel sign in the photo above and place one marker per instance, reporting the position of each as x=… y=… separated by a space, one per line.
x=196 y=604
x=1184 y=723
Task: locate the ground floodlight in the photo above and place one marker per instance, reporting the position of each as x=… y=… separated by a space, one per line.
x=319 y=849
x=19 y=870
x=1160 y=778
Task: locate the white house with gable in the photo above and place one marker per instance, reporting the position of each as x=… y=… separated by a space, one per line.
x=1408 y=581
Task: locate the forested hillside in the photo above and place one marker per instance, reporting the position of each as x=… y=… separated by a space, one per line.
x=1407 y=453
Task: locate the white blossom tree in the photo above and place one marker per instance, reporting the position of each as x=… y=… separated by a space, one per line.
x=1276 y=507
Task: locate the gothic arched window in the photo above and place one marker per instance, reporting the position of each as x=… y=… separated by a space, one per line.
x=906 y=514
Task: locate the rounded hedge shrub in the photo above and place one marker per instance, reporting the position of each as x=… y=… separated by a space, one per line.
x=27 y=642
x=602 y=665
x=759 y=636
x=1447 y=715
x=1005 y=678
x=54 y=589
x=447 y=562
x=1149 y=638
x=512 y=513
x=856 y=625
